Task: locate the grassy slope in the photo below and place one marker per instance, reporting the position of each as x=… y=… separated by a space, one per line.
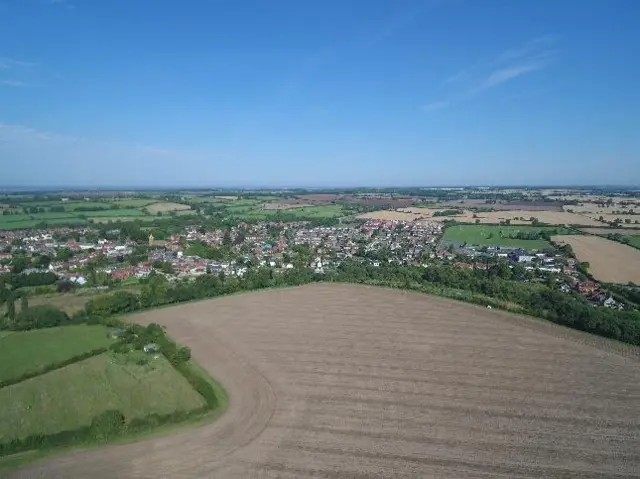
x=70 y=397
x=479 y=235
x=11 y=462
x=23 y=352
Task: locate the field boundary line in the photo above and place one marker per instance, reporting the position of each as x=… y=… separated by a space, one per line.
x=535 y=323
x=52 y=367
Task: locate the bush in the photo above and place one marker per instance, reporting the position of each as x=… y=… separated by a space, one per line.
x=39 y=317
x=108 y=424
x=183 y=354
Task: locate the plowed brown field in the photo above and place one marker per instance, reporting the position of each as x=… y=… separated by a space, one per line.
x=609 y=261
x=359 y=382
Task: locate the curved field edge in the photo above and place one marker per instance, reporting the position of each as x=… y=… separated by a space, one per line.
x=348 y=362
x=455 y=296
x=15 y=461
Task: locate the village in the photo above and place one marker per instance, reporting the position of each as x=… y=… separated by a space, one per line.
x=79 y=257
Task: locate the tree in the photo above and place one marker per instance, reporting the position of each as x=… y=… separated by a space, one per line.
x=39 y=317
x=24 y=304
x=226 y=238
x=64 y=254
x=11 y=308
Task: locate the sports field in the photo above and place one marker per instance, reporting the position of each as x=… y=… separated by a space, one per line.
x=341 y=381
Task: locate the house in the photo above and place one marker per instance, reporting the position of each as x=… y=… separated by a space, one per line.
x=525 y=258
x=151 y=348
x=78 y=279
x=115 y=332
x=157 y=244
x=587 y=288
x=611 y=303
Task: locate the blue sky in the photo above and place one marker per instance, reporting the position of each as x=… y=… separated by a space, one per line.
x=331 y=93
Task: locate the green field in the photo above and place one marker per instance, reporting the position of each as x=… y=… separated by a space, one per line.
x=120 y=212
x=24 y=352
x=257 y=212
x=484 y=235
x=12 y=222
x=633 y=241
x=133 y=202
x=72 y=206
x=26 y=222
x=106 y=219
x=72 y=396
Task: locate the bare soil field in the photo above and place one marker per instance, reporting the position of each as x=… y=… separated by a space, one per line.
x=609 y=231
x=612 y=217
x=320 y=197
x=353 y=381
x=609 y=261
x=593 y=208
x=504 y=205
x=550 y=217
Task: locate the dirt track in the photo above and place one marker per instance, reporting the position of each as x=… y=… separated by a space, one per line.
x=354 y=382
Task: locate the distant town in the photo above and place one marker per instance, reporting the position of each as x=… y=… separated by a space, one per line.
x=87 y=243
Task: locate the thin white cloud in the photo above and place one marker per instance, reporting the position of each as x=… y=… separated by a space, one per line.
x=12 y=64
x=62 y=3
x=534 y=55
x=436 y=105
x=13 y=83
x=506 y=74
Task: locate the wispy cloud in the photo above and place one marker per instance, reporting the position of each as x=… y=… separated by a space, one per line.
x=436 y=105
x=534 y=55
x=506 y=74
x=13 y=83
x=62 y=3
x=12 y=64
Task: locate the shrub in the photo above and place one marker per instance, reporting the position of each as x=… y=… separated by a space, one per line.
x=108 y=424
x=39 y=317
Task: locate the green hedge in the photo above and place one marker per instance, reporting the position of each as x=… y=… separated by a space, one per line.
x=106 y=426
x=52 y=366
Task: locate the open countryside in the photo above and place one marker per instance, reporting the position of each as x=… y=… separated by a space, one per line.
x=140 y=251
x=364 y=382
x=609 y=261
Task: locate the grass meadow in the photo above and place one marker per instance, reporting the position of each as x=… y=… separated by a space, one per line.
x=27 y=351
x=484 y=235
x=72 y=396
